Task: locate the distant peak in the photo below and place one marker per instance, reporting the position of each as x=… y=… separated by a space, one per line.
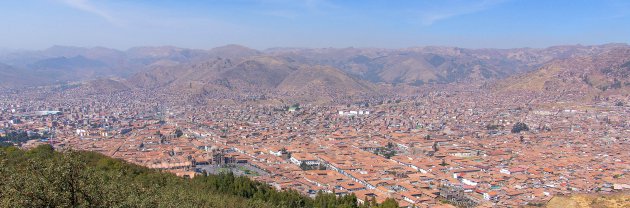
x=165 y=47
x=233 y=46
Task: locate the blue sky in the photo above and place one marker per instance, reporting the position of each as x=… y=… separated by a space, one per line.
x=38 y=24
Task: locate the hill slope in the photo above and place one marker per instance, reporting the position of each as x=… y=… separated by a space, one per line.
x=14 y=77
x=313 y=80
x=607 y=73
x=588 y=201
x=257 y=74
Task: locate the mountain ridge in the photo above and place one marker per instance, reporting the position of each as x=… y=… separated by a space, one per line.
x=604 y=73
x=238 y=68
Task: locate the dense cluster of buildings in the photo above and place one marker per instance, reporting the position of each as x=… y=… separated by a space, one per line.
x=443 y=147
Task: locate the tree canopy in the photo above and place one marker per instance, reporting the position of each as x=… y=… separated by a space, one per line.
x=518 y=127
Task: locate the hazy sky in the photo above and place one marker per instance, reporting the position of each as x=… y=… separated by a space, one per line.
x=38 y=24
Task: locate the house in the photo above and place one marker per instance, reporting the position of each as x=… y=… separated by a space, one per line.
x=299 y=158
x=491 y=196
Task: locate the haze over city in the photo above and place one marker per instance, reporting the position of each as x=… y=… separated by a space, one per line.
x=315 y=103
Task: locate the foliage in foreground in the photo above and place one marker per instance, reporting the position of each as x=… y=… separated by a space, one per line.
x=42 y=177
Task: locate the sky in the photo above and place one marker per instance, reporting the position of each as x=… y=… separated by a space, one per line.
x=261 y=24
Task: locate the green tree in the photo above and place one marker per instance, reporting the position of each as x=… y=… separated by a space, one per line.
x=178 y=133
x=389 y=203
x=390 y=145
x=619 y=103
x=519 y=127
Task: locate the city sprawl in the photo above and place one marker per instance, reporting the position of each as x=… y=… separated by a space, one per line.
x=457 y=143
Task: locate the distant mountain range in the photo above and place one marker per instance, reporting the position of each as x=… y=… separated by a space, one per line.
x=61 y=64
x=303 y=72
x=603 y=73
